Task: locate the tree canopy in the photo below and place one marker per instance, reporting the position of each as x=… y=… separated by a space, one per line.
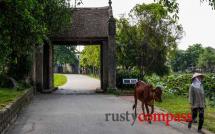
x=173 y=6
x=25 y=23
x=90 y=57
x=148 y=39
x=184 y=59
x=194 y=57
x=65 y=55
x=207 y=59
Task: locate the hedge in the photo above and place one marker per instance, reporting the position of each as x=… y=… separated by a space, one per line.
x=125 y=74
x=179 y=84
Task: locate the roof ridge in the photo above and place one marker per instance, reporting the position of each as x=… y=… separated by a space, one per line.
x=91 y=8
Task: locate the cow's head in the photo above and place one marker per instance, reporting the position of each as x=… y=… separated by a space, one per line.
x=158 y=94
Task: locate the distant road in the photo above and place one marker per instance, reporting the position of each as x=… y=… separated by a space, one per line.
x=77 y=83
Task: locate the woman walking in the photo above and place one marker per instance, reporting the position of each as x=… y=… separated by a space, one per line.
x=197 y=100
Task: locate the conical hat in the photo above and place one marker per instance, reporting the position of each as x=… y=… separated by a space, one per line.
x=196 y=75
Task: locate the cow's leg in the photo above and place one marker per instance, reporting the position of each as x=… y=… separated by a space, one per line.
x=143 y=114
x=135 y=101
x=152 y=109
x=147 y=108
x=143 y=108
x=148 y=115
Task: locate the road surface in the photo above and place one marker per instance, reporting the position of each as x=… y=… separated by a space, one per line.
x=84 y=114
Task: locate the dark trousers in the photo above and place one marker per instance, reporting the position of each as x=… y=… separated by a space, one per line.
x=196 y=111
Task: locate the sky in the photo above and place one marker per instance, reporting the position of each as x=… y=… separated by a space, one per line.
x=197 y=19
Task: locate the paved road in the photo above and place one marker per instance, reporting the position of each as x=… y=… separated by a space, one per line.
x=84 y=114
x=79 y=84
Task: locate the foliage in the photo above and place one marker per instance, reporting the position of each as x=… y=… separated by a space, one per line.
x=23 y=85
x=125 y=74
x=59 y=80
x=172 y=5
x=126 y=39
x=65 y=54
x=20 y=69
x=211 y=3
x=207 y=59
x=183 y=60
x=77 y=3
x=194 y=52
x=195 y=57
x=90 y=57
x=148 y=40
x=178 y=84
x=210 y=87
x=90 y=60
x=8 y=82
x=5 y=82
x=25 y=23
x=179 y=61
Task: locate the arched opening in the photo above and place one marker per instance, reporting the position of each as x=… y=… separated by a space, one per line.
x=89 y=26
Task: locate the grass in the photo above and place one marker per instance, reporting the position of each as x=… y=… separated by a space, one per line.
x=59 y=80
x=8 y=95
x=179 y=104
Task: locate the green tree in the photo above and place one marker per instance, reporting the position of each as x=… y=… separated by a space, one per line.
x=90 y=57
x=207 y=59
x=65 y=55
x=126 y=40
x=193 y=53
x=173 y=6
x=25 y=23
x=90 y=60
x=183 y=60
x=150 y=38
x=211 y=3
x=179 y=61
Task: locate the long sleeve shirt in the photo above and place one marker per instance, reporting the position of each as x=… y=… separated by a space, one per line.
x=197 y=97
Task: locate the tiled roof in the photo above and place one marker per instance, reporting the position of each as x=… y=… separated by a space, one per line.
x=87 y=23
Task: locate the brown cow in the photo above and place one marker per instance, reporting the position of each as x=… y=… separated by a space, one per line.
x=146 y=94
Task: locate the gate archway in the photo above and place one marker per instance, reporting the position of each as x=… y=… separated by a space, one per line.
x=89 y=26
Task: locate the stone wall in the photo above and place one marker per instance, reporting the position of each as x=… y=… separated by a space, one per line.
x=9 y=114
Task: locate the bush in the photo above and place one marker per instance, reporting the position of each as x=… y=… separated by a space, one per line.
x=22 y=85
x=209 y=83
x=20 y=69
x=178 y=84
x=5 y=82
x=126 y=74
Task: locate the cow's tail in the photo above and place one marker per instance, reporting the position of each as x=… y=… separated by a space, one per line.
x=135 y=103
